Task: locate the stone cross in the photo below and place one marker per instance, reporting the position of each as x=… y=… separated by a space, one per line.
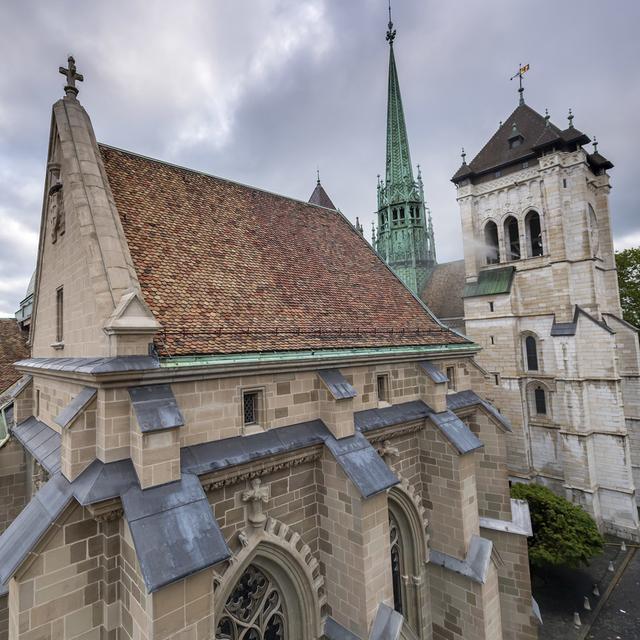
x=72 y=75
x=257 y=497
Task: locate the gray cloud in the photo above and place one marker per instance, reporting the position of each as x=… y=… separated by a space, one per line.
x=264 y=91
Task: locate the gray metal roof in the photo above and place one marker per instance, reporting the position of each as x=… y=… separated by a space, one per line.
x=75 y=407
x=433 y=371
x=174 y=531
x=337 y=384
x=387 y=624
x=155 y=407
x=563 y=328
x=475 y=564
x=41 y=441
x=361 y=462
x=100 y=481
x=469 y=398
x=32 y=523
x=335 y=631
x=456 y=432
x=93 y=365
x=371 y=419
x=14 y=390
x=230 y=452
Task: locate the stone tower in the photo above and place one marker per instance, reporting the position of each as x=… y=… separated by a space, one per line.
x=404 y=234
x=541 y=298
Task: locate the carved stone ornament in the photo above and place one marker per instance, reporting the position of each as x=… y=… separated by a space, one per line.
x=56 y=204
x=257 y=497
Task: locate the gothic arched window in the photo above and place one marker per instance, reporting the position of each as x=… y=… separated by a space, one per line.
x=491 y=242
x=255 y=609
x=540 y=398
x=512 y=236
x=534 y=234
x=531 y=349
x=397 y=565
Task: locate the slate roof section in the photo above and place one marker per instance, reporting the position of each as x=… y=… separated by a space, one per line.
x=442 y=292
x=536 y=132
x=491 y=282
x=32 y=523
x=321 y=198
x=387 y=624
x=361 y=462
x=433 y=371
x=456 y=432
x=100 y=481
x=41 y=441
x=75 y=407
x=570 y=328
x=372 y=419
x=337 y=384
x=174 y=531
x=156 y=407
x=15 y=389
x=228 y=268
x=93 y=366
x=469 y=398
x=13 y=346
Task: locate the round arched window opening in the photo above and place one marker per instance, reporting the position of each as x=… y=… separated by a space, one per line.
x=491 y=243
x=531 y=349
x=534 y=234
x=512 y=235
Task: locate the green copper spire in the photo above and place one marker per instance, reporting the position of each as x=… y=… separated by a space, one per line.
x=404 y=237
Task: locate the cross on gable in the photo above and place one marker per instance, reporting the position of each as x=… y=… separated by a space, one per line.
x=72 y=75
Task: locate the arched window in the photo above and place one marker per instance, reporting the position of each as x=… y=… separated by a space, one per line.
x=531 y=349
x=512 y=237
x=397 y=565
x=534 y=234
x=401 y=214
x=594 y=236
x=254 y=610
x=491 y=242
x=540 y=398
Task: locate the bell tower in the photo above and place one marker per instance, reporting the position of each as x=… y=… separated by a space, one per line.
x=404 y=235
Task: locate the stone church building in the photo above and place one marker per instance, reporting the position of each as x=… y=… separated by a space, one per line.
x=538 y=291
x=220 y=431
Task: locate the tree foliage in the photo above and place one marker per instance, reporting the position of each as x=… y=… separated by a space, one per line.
x=628 y=265
x=564 y=534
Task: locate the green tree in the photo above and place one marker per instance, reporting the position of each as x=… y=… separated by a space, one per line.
x=628 y=265
x=564 y=534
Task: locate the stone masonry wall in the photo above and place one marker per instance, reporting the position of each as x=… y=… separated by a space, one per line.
x=13 y=482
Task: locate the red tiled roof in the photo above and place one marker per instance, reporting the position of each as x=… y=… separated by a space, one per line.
x=228 y=268
x=13 y=347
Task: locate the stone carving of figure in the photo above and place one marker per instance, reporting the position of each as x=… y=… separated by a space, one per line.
x=56 y=211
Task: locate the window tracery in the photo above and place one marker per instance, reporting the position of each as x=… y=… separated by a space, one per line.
x=255 y=609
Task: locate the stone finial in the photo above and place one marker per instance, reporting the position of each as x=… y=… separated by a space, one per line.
x=72 y=76
x=547 y=117
x=463 y=155
x=257 y=497
x=595 y=145
x=570 y=119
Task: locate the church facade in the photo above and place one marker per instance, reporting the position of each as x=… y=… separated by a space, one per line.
x=220 y=439
x=537 y=290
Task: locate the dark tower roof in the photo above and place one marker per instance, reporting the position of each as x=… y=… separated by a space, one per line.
x=524 y=134
x=321 y=198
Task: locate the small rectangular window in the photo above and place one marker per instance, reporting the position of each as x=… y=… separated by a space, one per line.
x=383 y=387
x=451 y=374
x=251 y=407
x=493 y=340
x=491 y=306
x=525 y=164
x=59 y=314
x=496 y=379
x=564 y=182
x=36 y=412
x=498 y=174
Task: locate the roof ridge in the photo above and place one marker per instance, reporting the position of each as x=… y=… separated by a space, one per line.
x=211 y=175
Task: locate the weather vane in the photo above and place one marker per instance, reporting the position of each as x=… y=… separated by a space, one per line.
x=391 y=32
x=521 y=71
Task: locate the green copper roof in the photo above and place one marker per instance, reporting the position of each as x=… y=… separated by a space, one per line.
x=490 y=282
x=301 y=356
x=399 y=170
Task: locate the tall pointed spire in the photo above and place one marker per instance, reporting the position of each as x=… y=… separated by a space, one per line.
x=404 y=237
x=398 y=157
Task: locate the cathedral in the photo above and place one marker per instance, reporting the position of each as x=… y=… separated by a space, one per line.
x=538 y=291
x=212 y=436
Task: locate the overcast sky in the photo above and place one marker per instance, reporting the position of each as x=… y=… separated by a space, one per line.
x=264 y=91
